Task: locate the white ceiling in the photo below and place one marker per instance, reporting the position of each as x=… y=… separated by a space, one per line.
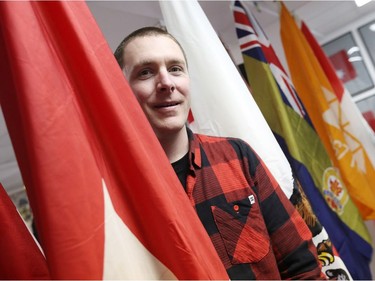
x=118 y=18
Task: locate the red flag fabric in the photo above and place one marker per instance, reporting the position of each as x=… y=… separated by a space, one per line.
x=105 y=198
x=20 y=256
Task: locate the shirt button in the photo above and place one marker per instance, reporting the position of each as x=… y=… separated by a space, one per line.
x=236 y=208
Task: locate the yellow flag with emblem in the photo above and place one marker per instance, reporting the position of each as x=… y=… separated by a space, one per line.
x=330 y=121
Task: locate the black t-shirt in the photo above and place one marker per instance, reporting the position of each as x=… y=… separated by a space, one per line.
x=181 y=168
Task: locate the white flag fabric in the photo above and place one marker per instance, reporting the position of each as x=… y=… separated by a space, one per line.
x=222 y=104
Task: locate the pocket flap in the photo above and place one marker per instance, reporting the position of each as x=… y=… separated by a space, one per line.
x=244 y=234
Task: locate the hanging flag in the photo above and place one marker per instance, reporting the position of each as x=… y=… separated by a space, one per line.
x=106 y=201
x=332 y=124
x=288 y=119
x=357 y=131
x=313 y=88
x=20 y=257
x=226 y=108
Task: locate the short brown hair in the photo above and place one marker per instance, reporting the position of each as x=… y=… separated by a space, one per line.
x=142 y=32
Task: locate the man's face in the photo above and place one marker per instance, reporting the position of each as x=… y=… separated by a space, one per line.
x=157 y=73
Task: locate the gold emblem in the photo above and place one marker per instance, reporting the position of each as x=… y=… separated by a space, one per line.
x=334 y=190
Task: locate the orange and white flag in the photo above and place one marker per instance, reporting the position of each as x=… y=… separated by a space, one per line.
x=334 y=123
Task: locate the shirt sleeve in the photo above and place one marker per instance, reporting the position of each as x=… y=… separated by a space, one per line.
x=291 y=238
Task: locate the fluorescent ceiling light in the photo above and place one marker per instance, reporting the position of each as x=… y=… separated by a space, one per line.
x=353 y=50
x=360 y=3
x=356 y=58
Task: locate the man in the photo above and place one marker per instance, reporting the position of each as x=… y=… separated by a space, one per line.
x=256 y=231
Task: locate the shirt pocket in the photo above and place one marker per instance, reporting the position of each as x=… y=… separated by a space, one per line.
x=242 y=228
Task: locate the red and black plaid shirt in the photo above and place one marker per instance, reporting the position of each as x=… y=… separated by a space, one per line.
x=256 y=231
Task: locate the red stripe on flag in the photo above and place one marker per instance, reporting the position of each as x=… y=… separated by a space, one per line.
x=249 y=44
x=325 y=63
x=190 y=117
x=241 y=18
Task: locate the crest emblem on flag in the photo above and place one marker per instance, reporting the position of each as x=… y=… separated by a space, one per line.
x=334 y=190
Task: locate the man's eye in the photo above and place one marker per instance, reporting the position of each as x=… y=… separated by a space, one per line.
x=175 y=69
x=144 y=73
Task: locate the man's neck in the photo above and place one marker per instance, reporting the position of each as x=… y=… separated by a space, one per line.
x=175 y=145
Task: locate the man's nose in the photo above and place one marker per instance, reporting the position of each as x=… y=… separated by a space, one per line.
x=165 y=82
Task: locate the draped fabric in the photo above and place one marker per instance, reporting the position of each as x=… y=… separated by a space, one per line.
x=20 y=258
x=106 y=201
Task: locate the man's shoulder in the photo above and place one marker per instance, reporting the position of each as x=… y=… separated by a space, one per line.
x=207 y=141
x=223 y=142
x=203 y=138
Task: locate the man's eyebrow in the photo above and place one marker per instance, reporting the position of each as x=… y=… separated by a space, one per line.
x=143 y=63
x=148 y=62
x=137 y=66
x=130 y=70
x=177 y=61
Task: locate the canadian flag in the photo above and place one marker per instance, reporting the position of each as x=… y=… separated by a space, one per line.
x=106 y=201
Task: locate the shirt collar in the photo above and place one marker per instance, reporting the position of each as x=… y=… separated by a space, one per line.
x=194 y=150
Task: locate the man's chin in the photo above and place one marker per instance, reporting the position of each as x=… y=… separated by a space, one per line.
x=168 y=131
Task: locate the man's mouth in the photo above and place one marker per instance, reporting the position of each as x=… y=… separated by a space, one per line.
x=167 y=104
